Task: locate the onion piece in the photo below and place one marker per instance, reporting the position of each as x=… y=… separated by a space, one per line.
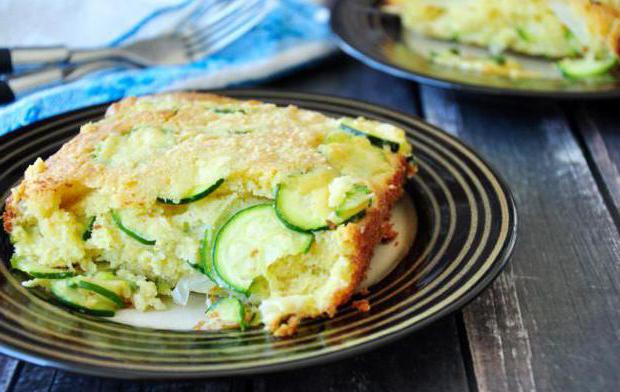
x=196 y=283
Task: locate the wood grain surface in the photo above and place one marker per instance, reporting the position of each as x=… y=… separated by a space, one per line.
x=550 y=322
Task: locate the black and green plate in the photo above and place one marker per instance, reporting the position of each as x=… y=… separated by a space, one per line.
x=466 y=231
x=376 y=38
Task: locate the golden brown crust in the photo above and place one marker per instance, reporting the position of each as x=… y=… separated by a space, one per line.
x=8 y=215
x=367 y=234
x=362 y=305
x=369 y=231
x=603 y=19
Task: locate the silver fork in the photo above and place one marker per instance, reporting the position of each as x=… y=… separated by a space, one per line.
x=211 y=26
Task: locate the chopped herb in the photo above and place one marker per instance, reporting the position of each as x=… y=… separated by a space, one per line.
x=455 y=51
x=89 y=228
x=522 y=34
x=240 y=131
x=499 y=59
x=197 y=267
x=228 y=110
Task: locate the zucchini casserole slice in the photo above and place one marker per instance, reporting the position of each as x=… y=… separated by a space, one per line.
x=274 y=211
x=582 y=35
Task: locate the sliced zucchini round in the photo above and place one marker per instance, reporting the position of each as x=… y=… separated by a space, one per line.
x=375 y=137
x=258 y=290
x=94 y=287
x=229 y=311
x=356 y=200
x=313 y=191
x=584 y=68
x=38 y=271
x=85 y=301
x=195 y=197
x=122 y=287
x=249 y=241
x=130 y=232
x=302 y=200
x=116 y=290
x=89 y=228
x=206 y=261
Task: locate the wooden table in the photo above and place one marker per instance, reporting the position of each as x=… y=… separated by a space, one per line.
x=551 y=321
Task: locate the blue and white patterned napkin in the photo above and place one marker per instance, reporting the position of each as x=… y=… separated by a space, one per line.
x=293 y=34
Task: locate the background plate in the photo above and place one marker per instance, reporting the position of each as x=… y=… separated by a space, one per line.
x=467 y=223
x=374 y=38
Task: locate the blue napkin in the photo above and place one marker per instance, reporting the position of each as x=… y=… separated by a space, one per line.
x=293 y=34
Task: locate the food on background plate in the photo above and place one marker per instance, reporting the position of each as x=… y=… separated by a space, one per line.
x=581 y=36
x=272 y=212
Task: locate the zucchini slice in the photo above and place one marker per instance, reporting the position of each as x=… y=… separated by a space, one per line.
x=249 y=241
x=94 y=287
x=258 y=290
x=112 y=288
x=119 y=223
x=38 y=271
x=84 y=301
x=229 y=311
x=89 y=228
x=302 y=200
x=313 y=190
x=122 y=287
x=375 y=137
x=356 y=200
x=585 y=67
x=195 y=197
x=206 y=261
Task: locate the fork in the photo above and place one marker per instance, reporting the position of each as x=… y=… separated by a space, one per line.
x=209 y=28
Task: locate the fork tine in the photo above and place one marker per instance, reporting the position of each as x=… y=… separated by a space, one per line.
x=233 y=32
x=197 y=11
x=215 y=13
x=230 y=31
x=224 y=24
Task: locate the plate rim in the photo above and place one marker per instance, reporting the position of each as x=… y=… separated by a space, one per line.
x=395 y=70
x=498 y=266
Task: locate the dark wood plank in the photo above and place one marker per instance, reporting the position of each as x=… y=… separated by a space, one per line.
x=8 y=370
x=223 y=385
x=598 y=125
x=551 y=321
x=345 y=77
x=33 y=378
x=36 y=378
x=70 y=382
x=418 y=362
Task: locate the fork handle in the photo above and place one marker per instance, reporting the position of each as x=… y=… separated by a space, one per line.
x=6 y=92
x=21 y=84
x=10 y=58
